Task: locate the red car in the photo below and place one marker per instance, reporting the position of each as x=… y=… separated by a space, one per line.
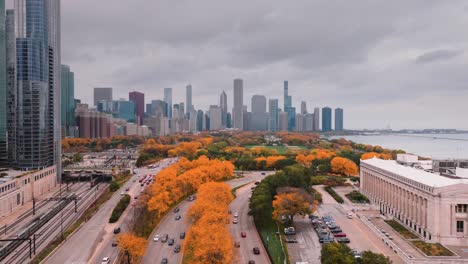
x=340 y=235
x=243 y=234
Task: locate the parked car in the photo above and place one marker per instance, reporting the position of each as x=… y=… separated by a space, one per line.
x=256 y=251
x=105 y=260
x=336 y=230
x=178 y=217
x=177 y=249
x=182 y=235
x=340 y=234
x=156 y=238
x=116 y=230
x=170 y=242
x=356 y=253
x=343 y=240
x=291 y=239
x=290 y=231
x=243 y=234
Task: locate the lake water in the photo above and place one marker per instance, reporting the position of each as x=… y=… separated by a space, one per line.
x=436 y=146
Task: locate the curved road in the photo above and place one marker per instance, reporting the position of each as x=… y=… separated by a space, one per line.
x=156 y=251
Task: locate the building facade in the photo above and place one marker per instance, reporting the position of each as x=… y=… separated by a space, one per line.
x=338 y=119
x=316 y=119
x=188 y=99
x=433 y=206
x=326 y=119
x=68 y=102
x=3 y=90
x=238 y=109
x=224 y=107
x=168 y=101
x=273 y=115
x=138 y=100
x=102 y=93
x=215 y=117
x=259 y=115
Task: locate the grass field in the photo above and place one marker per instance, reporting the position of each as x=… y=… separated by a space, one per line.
x=404 y=232
x=280 y=149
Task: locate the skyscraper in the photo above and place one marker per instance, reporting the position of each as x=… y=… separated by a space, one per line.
x=168 y=100
x=238 y=109
x=101 y=93
x=303 y=107
x=273 y=111
x=338 y=119
x=316 y=119
x=224 y=106
x=326 y=119
x=188 y=99
x=139 y=100
x=215 y=117
x=287 y=99
x=3 y=90
x=288 y=106
x=259 y=116
x=68 y=102
x=12 y=120
x=38 y=82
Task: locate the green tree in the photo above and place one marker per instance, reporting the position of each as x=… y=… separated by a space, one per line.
x=369 y=257
x=335 y=253
x=114 y=186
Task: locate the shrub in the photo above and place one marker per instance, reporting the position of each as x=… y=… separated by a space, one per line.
x=119 y=208
x=334 y=194
x=114 y=186
x=357 y=197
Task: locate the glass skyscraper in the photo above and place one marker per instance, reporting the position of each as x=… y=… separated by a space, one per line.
x=68 y=102
x=38 y=84
x=338 y=119
x=326 y=119
x=3 y=90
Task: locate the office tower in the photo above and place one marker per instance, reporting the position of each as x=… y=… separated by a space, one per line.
x=300 y=123
x=123 y=109
x=259 y=116
x=273 y=111
x=246 y=118
x=282 y=121
x=3 y=90
x=207 y=121
x=181 y=113
x=224 y=106
x=238 y=109
x=193 y=120
x=12 y=94
x=188 y=98
x=338 y=119
x=215 y=117
x=149 y=110
x=288 y=106
x=309 y=122
x=68 y=102
x=102 y=94
x=139 y=100
x=38 y=84
x=326 y=119
x=200 y=120
x=291 y=117
x=286 y=97
x=168 y=100
x=316 y=119
x=229 y=120
x=159 y=107
x=303 y=107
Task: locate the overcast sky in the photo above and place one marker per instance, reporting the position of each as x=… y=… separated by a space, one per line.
x=397 y=63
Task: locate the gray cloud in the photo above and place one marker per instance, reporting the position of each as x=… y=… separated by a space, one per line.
x=377 y=59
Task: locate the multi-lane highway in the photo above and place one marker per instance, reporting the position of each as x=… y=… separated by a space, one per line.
x=156 y=251
x=244 y=253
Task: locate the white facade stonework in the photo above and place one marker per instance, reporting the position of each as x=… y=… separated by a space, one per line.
x=433 y=206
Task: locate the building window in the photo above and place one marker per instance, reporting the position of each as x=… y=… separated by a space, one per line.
x=460 y=225
x=18 y=199
x=461 y=208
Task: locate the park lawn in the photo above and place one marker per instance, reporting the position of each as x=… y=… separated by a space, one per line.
x=403 y=231
x=267 y=229
x=280 y=149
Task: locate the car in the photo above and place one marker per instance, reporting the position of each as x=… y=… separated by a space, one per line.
x=176 y=210
x=164 y=238
x=177 y=249
x=136 y=197
x=340 y=234
x=114 y=244
x=116 y=230
x=170 y=242
x=178 y=217
x=122 y=193
x=343 y=240
x=263 y=173
x=237 y=244
x=236 y=215
x=257 y=183
x=164 y=261
x=243 y=234
x=256 y=251
x=235 y=221
x=182 y=235
x=105 y=260
x=142 y=184
x=350 y=216
x=356 y=253
x=251 y=261
x=127 y=189
x=291 y=239
x=336 y=230
x=156 y=238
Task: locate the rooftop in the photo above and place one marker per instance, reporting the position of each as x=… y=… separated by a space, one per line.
x=421 y=176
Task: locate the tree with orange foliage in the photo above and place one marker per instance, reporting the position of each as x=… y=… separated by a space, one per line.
x=305 y=160
x=344 y=166
x=133 y=245
x=370 y=155
x=186 y=149
x=290 y=204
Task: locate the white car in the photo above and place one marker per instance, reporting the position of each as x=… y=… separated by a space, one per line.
x=236 y=215
x=105 y=260
x=156 y=238
x=350 y=215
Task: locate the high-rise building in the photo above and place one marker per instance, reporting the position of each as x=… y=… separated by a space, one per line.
x=283 y=121
x=291 y=117
x=229 y=120
x=326 y=119
x=149 y=109
x=288 y=106
x=303 y=107
x=68 y=102
x=12 y=98
x=159 y=107
x=200 y=121
x=273 y=112
x=259 y=116
x=316 y=119
x=224 y=107
x=3 y=90
x=188 y=99
x=168 y=100
x=125 y=110
x=238 y=109
x=300 y=122
x=38 y=84
x=338 y=119
x=139 y=100
x=286 y=97
x=215 y=117
x=309 y=122
x=102 y=93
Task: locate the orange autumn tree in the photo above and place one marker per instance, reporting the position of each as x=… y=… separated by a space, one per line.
x=344 y=166
x=370 y=155
x=270 y=161
x=133 y=246
x=291 y=204
x=185 y=149
x=208 y=240
x=305 y=160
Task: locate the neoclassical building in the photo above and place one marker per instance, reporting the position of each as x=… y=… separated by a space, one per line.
x=435 y=207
